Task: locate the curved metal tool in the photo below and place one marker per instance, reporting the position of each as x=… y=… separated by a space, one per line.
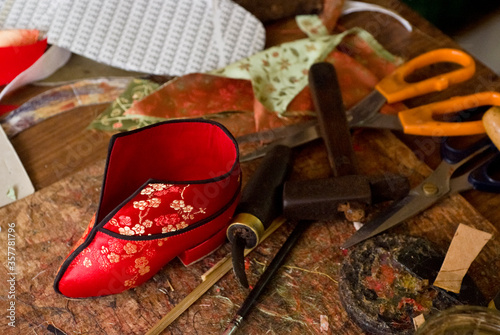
x=261 y=203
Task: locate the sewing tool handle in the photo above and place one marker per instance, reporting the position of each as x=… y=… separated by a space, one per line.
x=261 y=202
x=262 y=196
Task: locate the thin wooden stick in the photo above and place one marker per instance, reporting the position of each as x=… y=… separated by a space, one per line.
x=210 y=280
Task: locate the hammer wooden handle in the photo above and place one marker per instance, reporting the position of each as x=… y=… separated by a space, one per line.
x=332 y=119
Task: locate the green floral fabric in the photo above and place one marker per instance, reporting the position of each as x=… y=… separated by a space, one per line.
x=311 y=25
x=276 y=75
x=279 y=73
x=113 y=118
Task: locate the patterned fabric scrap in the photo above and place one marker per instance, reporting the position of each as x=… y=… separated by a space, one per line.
x=113 y=119
x=266 y=90
x=279 y=73
x=62 y=99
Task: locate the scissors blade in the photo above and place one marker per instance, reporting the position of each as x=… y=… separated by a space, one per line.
x=460 y=184
x=275 y=134
x=365 y=109
x=366 y=114
x=308 y=134
x=433 y=188
x=398 y=212
x=382 y=121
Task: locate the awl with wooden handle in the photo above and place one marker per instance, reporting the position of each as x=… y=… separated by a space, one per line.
x=261 y=202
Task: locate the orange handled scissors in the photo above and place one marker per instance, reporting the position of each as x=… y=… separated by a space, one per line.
x=415 y=121
x=419 y=121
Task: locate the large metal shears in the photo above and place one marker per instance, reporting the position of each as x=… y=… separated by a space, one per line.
x=440 y=184
x=415 y=121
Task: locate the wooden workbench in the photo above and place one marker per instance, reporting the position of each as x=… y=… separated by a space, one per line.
x=66 y=162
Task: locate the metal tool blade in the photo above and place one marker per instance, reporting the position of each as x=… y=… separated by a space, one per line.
x=435 y=187
x=305 y=135
x=397 y=213
x=460 y=184
x=275 y=134
x=380 y=121
x=366 y=114
x=365 y=109
x=238 y=260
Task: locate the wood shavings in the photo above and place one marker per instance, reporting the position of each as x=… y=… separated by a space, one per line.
x=170 y=285
x=275 y=314
x=262 y=264
x=324 y=325
x=38 y=274
x=353 y=211
x=310 y=271
x=165 y=291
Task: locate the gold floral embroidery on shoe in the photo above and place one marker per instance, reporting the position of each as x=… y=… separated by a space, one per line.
x=158 y=208
x=130 y=248
x=87 y=262
x=117 y=251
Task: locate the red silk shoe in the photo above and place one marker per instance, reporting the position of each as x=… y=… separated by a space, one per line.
x=169 y=191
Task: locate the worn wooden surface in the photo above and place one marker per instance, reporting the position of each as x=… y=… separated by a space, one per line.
x=65 y=162
x=59 y=147
x=304 y=290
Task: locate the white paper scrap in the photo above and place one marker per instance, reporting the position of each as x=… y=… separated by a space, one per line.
x=165 y=37
x=359 y=6
x=14 y=181
x=52 y=60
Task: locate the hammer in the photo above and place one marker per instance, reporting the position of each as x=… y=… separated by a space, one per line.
x=320 y=199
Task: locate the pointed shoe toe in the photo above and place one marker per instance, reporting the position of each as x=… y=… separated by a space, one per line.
x=169 y=191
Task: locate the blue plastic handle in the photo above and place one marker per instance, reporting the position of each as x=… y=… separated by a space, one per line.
x=454 y=155
x=482 y=178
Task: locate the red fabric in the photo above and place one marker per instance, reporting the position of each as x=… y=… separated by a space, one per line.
x=194 y=254
x=110 y=265
x=142 y=224
x=4 y=109
x=16 y=59
x=197 y=94
x=358 y=68
x=180 y=152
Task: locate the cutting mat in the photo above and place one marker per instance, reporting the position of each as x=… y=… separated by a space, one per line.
x=302 y=299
